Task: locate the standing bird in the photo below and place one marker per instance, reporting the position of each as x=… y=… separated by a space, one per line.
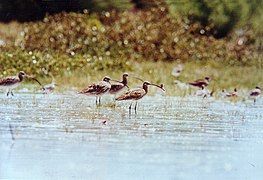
x=98 y=89
x=49 y=88
x=201 y=82
x=136 y=94
x=10 y=83
x=223 y=93
x=255 y=93
x=232 y=94
x=120 y=85
x=204 y=92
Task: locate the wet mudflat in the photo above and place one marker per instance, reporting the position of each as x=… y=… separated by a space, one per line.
x=68 y=137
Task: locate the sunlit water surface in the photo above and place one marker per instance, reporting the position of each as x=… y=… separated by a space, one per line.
x=68 y=137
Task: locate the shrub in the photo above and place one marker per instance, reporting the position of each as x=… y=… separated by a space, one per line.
x=150 y=34
x=222 y=15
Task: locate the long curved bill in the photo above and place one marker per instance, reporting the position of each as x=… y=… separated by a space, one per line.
x=135 y=77
x=159 y=86
x=31 y=77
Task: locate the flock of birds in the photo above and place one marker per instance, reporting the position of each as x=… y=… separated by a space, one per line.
x=203 y=83
x=116 y=87
x=107 y=85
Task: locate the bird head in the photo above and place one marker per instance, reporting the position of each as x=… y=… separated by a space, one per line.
x=22 y=74
x=208 y=78
x=125 y=75
x=106 y=79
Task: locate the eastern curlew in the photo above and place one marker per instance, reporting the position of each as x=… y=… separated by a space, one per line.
x=10 y=83
x=138 y=93
x=120 y=85
x=98 y=89
x=201 y=82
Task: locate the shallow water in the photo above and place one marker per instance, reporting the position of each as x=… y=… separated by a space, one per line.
x=68 y=137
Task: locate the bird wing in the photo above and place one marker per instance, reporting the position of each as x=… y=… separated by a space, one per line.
x=199 y=81
x=91 y=89
x=116 y=87
x=102 y=87
x=255 y=92
x=8 y=81
x=132 y=94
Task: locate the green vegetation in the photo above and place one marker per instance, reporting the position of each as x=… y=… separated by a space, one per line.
x=221 y=15
x=78 y=48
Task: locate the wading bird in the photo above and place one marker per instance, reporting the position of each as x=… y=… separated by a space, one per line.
x=49 y=88
x=138 y=93
x=232 y=94
x=201 y=82
x=98 y=89
x=120 y=85
x=204 y=92
x=223 y=93
x=10 y=83
x=255 y=93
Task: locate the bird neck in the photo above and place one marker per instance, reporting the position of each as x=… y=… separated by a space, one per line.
x=145 y=87
x=20 y=77
x=124 y=81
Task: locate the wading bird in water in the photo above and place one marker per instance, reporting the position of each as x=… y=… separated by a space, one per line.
x=201 y=82
x=204 y=92
x=138 y=93
x=49 y=88
x=232 y=94
x=10 y=83
x=255 y=93
x=98 y=89
x=120 y=85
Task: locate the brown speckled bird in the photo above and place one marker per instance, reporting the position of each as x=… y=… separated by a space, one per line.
x=138 y=93
x=10 y=83
x=201 y=82
x=98 y=89
x=120 y=85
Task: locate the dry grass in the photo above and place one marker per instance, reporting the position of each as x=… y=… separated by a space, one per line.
x=223 y=76
x=9 y=32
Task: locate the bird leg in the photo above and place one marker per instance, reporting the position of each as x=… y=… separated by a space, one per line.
x=135 y=107
x=130 y=106
x=7 y=93
x=12 y=93
x=99 y=100
x=96 y=100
